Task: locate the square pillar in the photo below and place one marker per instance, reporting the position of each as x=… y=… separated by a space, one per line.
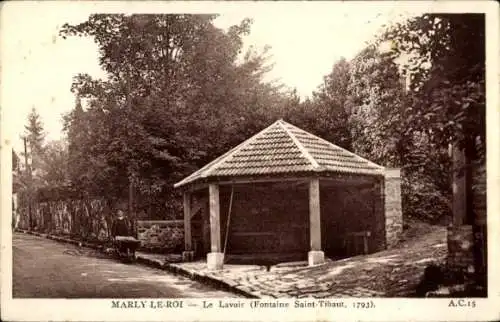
x=315 y=256
x=215 y=258
x=188 y=253
x=392 y=207
x=459 y=186
x=378 y=241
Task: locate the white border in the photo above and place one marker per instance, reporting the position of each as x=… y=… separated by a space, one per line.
x=386 y=309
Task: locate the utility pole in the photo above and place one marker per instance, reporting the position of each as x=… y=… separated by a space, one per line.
x=28 y=169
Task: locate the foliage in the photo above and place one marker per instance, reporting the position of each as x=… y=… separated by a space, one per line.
x=35 y=136
x=410 y=125
x=176 y=96
x=332 y=110
x=15 y=161
x=54 y=164
x=377 y=108
x=34 y=132
x=447 y=71
x=16 y=178
x=447 y=93
x=179 y=92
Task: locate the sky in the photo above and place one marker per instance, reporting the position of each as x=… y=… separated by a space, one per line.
x=38 y=66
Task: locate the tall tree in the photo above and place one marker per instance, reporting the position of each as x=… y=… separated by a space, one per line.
x=176 y=96
x=448 y=91
x=54 y=165
x=332 y=109
x=446 y=66
x=377 y=108
x=34 y=131
x=35 y=137
x=78 y=148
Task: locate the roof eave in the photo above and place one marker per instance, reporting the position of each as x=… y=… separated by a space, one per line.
x=315 y=171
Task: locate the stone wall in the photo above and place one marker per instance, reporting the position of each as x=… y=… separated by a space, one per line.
x=165 y=236
x=393 y=208
x=460 y=249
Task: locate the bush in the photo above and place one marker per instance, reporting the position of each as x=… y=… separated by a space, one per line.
x=423 y=200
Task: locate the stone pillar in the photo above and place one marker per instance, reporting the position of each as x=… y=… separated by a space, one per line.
x=377 y=239
x=315 y=256
x=460 y=249
x=215 y=258
x=459 y=187
x=393 y=209
x=188 y=253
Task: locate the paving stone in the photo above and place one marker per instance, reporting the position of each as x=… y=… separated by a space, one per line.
x=268 y=294
x=244 y=288
x=360 y=277
x=231 y=283
x=322 y=295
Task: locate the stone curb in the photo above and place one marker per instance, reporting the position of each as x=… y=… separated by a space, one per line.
x=172 y=268
x=211 y=280
x=204 y=279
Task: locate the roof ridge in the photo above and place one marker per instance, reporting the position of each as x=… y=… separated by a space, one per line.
x=214 y=163
x=240 y=146
x=205 y=167
x=338 y=147
x=299 y=145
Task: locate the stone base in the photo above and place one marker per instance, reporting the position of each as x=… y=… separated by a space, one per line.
x=461 y=249
x=315 y=257
x=188 y=256
x=215 y=260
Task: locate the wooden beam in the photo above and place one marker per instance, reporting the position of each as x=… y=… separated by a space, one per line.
x=187 y=221
x=314 y=215
x=236 y=181
x=214 y=218
x=340 y=179
x=196 y=187
x=289 y=185
x=348 y=181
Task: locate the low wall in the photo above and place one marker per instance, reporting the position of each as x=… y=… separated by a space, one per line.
x=165 y=236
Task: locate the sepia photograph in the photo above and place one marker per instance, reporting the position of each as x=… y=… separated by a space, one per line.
x=250 y=153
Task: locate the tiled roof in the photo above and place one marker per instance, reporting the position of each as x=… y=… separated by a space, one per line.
x=283 y=148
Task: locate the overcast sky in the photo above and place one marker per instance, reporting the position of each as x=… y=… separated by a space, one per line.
x=38 y=66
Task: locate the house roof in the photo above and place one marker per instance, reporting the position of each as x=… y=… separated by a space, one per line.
x=283 y=148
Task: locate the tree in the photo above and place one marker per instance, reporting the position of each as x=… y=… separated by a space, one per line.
x=447 y=69
x=377 y=108
x=15 y=161
x=34 y=132
x=332 y=109
x=450 y=93
x=76 y=126
x=35 y=136
x=54 y=165
x=16 y=179
x=175 y=97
